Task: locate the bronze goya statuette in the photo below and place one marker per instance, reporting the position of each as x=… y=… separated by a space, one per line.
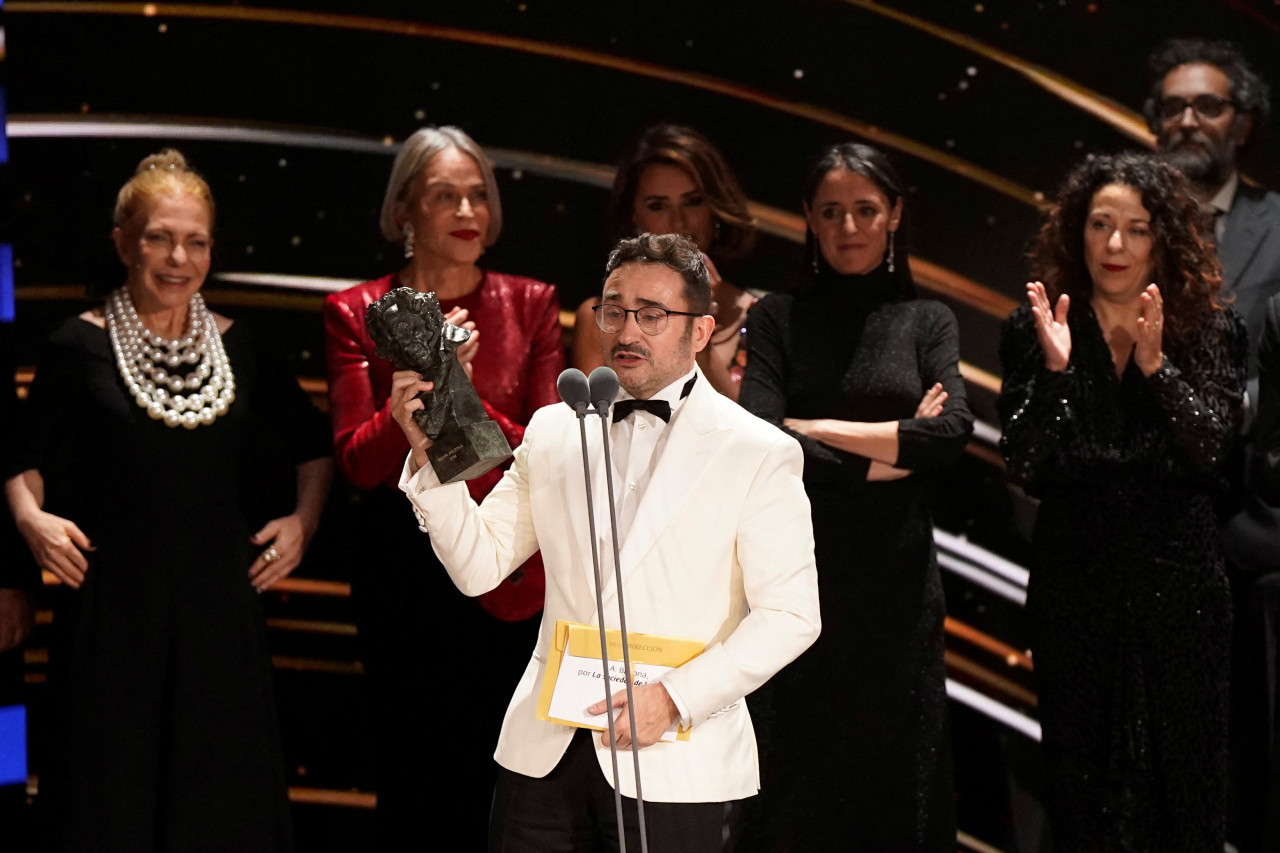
x=412 y=334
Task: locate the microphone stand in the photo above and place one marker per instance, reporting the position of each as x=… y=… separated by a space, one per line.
x=604 y=646
x=576 y=392
x=601 y=380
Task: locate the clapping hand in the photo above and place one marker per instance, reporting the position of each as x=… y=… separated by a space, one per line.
x=466 y=353
x=1051 y=326
x=1148 y=350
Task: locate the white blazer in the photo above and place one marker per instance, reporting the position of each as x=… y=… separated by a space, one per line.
x=721 y=550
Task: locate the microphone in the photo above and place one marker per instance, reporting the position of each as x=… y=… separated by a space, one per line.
x=603 y=386
x=574 y=390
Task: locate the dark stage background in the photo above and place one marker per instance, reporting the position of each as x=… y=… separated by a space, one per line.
x=291 y=110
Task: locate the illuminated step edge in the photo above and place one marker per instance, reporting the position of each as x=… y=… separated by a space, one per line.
x=977 y=555
x=352 y=799
x=1000 y=713
x=968 y=842
x=1004 y=589
x=311 y=283
x=987 y=433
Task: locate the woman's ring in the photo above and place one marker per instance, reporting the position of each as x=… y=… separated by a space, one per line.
x=270 y=555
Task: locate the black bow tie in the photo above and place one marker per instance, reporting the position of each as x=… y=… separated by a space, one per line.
x=661 y=408
x=623 y=408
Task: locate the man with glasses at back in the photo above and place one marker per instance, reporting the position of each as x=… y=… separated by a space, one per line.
x=1207 y=105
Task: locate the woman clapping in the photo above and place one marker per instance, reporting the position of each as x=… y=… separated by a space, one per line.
x=441 y=205
x=1123 y=390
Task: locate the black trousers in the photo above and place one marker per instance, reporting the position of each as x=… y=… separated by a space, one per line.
x=572 y=810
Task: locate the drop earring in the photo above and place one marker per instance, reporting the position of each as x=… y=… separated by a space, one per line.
x=407 y=231
x=814 y=261
x=890 y=251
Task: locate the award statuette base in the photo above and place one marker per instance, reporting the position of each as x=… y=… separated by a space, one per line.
x=467 y=452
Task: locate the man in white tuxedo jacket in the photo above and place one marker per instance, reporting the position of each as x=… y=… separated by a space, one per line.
x=716 y=545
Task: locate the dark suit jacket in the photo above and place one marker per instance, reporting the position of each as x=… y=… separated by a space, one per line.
x=1251 y=534
x=1250 y=254
x=1267 y=435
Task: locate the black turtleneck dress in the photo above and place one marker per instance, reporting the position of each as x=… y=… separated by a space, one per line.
x=855 y=752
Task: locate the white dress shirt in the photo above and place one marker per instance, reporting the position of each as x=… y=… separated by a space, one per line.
x=637 y=443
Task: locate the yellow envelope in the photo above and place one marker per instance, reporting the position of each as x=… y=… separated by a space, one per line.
x=574 y=640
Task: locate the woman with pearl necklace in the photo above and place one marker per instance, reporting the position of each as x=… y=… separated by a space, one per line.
x=152 y=432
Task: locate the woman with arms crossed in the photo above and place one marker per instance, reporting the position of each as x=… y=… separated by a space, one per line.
x=867 y=377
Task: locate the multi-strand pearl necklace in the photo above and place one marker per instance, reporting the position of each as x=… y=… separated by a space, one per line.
x=146 y=362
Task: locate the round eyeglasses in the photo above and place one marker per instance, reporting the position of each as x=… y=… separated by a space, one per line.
x=1205 y=106
x=651 y=319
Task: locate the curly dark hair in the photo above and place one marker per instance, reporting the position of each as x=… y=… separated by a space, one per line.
x=872 y=164
x=1184 y=267
x=1249 y=92
x=676 y=253
x=691 y=152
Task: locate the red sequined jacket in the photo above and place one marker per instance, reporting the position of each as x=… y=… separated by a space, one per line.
x=521 y=354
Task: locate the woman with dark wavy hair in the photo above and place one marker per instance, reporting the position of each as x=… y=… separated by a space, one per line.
x=1123 y=389
x=674 y=181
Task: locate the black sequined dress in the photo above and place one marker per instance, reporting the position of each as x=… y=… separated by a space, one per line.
x=1128 y=601
x=855 y=748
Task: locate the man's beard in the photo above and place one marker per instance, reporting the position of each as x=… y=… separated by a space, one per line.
x=1203 y=163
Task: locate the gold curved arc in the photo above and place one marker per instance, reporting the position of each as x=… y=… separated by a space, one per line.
x=694 y=80
x=1118 y=116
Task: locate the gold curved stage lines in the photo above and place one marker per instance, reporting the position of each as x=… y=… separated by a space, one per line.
x=568 y=53
x=1123 y=119
x=771 y=220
